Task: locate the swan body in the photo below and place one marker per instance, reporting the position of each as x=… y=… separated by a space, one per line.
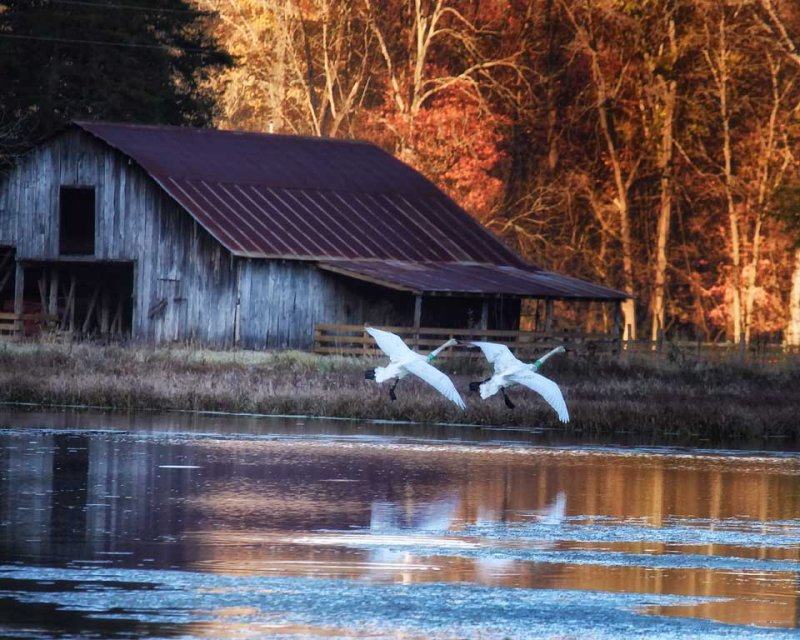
x=510 y=371
x=403 y=361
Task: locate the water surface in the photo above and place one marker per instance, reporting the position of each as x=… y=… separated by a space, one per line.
x=208 y=526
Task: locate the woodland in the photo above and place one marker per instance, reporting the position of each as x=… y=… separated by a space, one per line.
x=649 y=145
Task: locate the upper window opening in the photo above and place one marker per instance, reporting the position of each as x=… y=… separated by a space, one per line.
x=76 y=217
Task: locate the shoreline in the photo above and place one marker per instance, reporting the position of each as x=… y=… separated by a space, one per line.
x=605 y=396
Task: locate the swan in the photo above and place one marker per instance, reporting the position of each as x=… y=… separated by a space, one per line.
x=403 y=361
x=509 y=371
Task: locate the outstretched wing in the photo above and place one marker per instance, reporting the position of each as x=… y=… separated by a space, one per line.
x=498 y=355
x=544 y=387
x=392 y=345
x=436 y=379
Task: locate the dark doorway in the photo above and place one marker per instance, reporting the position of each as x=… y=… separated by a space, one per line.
x=88 y=298
x=76 y=221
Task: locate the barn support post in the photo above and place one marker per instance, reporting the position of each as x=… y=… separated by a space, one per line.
x=19 y=296
x=484 y=314
x=237 y=310
x=42 y=282
x=105 y=311
x=417 y=316
x=90 y=310
x=68 y=315
x=52 y=307
x=617 y=319
x=6 y=262
x=548 y=314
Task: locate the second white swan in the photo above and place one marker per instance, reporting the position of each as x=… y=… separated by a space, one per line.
x=510 y=371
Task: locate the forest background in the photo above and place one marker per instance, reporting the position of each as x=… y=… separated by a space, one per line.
x=650 y=145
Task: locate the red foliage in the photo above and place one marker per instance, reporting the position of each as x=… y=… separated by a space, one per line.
x=454 y=142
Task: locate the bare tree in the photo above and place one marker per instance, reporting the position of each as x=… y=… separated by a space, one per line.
x=622 y=159
x=303 y=67
x=661 y=73
x=430 y=49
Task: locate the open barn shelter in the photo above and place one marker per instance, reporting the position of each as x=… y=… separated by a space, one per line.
x=226 y=238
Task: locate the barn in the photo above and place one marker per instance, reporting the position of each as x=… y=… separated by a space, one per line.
x=228 y=238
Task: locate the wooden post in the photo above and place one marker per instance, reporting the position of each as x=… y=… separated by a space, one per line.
x=548 y=315
x=237 y=310
x=104 y=311
x=19 y=298
x=42 y=282
x=116 y=323
x=71 y=301
x=68 y=303
x=4 y=279
x=417 y=316
x=485 y=314
x=90 y=310
x=618 y=319
x=52 y=307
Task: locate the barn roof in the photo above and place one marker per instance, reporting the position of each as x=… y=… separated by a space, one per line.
x=278 y=196
x=474 y=279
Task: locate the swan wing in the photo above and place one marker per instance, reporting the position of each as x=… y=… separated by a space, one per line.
x=545 y=387
x=499 y=355
x=436 y=379
x=392 y=345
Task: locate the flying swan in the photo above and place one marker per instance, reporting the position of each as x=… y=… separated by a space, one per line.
x=509 y=371
x=403 y=361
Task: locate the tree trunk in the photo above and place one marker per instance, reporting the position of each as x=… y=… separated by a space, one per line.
x=664 y=163
x=621 y=201
x=793 y=329
x=718 y=64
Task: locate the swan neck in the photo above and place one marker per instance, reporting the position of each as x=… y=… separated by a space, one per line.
x=536 y=365
x=438 y=350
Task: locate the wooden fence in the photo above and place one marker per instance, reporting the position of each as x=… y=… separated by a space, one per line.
x=343 y=339
x=17 y=325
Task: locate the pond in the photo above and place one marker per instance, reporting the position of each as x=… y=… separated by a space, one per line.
x=211 y=526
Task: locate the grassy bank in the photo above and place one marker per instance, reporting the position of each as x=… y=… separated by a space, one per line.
x=604 y=395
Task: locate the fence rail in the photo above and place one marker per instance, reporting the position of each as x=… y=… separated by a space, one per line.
x=346 y=339
x=18 y=325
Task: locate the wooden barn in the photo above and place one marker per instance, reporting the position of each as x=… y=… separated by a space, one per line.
x=227 y=238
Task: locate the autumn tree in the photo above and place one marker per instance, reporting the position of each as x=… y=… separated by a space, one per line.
x=304 y=66
x=641 y=144
x=755 y=93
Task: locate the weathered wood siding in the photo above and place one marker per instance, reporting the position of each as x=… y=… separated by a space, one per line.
x=174 y=259
x=8 y=220
x=281 y=301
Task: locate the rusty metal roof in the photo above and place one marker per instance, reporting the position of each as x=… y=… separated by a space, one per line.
x=278 y=196
x=349 y=205
x=472 y=279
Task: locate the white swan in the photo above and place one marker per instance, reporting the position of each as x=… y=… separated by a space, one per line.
x=509 y=371
x=403 y=361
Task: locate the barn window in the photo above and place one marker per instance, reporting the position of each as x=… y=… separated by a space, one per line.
x=76 y=220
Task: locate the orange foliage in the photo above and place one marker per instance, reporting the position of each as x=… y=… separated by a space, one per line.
x=454 y=142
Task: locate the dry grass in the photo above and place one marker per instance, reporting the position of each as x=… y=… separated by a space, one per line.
x=604 y=395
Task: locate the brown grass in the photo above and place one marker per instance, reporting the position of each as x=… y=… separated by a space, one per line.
x=622 y=393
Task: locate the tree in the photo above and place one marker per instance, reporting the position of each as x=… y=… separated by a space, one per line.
x=104 y=60
x=597 y=26
x=756 y=95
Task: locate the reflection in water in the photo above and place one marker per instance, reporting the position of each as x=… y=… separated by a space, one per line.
x=682 y=534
